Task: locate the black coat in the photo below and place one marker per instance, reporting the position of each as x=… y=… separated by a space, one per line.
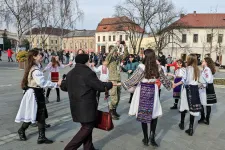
x=82 y=85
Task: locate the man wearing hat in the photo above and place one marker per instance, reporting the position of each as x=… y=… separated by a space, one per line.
x=82 y=85
x=113 y=60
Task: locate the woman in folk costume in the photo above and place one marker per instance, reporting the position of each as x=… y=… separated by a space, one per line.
x=145 y=103
x=207 y=89
x=190 y=100
x=32 y=107
x=53 y=67
x=179 y=73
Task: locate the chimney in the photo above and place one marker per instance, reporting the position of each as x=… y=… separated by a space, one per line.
x=181 y=15
x=194 y=13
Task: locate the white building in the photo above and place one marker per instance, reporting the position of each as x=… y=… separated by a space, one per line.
x=202 y=34
x=112 y=30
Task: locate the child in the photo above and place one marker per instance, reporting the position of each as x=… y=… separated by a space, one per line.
x=179 y=73
x=104 y=73
x=190 y=100
x=207 y=76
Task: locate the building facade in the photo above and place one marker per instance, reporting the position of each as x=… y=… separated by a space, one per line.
x=113 y=30
x=201 y=34
x=80 y=39
x=46 y=38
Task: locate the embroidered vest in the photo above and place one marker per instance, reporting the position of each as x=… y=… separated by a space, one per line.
x=31 y=81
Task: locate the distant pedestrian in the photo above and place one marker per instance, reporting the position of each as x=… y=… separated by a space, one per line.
x=168 y=61
x=0 y=54
x=10 y=53
x=67 y=57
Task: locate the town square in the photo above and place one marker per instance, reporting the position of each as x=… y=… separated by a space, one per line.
x=120 y=75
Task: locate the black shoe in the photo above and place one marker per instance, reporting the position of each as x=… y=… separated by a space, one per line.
x=116 y=114
x=174 y=106
x=114 y=117
x=202 y=120
x=181 y=125
x=33 y=125
x=152 y=140
x=42 y=139
x=190 y=130
x=47 y=125
x=22 y=135
x=145 y=141
x=46 y=100
x=58 y=99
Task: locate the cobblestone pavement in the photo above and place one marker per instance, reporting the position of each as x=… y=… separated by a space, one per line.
x=127 y=134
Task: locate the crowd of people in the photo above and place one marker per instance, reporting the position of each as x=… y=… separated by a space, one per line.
x=192 y=90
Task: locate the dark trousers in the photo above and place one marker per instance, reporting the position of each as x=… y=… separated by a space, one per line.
x=83 y=136
x=208 y=112
x=159 y=92
x=46 y=58
x=10 y=58
x=131 y=96
x=168 y=68
x=49 y=90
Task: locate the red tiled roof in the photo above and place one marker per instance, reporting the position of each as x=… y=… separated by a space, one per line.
x=117 y=24
x=196 y=20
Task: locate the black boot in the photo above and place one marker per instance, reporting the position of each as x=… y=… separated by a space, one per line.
x=190 y=130
x=114 y=117
x=145 y=141
x=58 y=95
x=21 y=131
x=47 y=126
x=181 y=124
x=202 y=119
x=116 y=114
x=208 y=108
x=46 y=100
x=58 y=99
x=174 y=106
x=42 y=139
x=152 y=133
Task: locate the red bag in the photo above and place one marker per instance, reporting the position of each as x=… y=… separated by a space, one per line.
x=104 y=119
x=54 y=76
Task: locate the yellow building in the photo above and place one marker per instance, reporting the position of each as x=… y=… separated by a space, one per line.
x=80 y=39
x=148 y=42
x=46 y=38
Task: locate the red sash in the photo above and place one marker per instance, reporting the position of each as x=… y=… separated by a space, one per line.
x=55 y=76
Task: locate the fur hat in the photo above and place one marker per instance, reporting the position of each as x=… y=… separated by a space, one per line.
x=82 y=58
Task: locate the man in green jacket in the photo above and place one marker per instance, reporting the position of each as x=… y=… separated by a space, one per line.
x=113 y=60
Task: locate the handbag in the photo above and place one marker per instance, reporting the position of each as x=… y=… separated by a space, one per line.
x=55 y=76
x=104 y=119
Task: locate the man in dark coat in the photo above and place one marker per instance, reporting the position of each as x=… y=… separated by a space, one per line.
x=82 y=85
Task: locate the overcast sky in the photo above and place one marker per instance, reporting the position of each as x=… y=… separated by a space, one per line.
x=95 y=10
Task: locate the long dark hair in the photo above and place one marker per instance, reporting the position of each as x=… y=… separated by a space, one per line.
x=211 y=64
x=151 y=67
x=54 y=62
x=31 y=63
x=192 y=61
x=182 y=63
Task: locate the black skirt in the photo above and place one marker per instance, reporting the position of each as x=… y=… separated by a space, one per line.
x=42 y=113
x=193 y=98
x=210 y=92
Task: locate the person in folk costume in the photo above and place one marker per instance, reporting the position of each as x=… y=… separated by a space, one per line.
x=145 y=103
x=53 y=67
x=208 y=89
x=130 y=67
x=104 y=73
x=179 y=73
x=113 y=60
x=190 y=100
x=32 y=107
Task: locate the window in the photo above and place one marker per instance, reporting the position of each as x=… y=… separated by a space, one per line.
x=126 y=38
x=80 y=45
x=55 y=41
x=98 y=38
x=91 y=45
x=121 y=37
x=209 y=38
x=114 y=38
x=52 y=41
x=109 y=38
x=184 y=38
x=169 y=38
x=220 y=38
x=103 y=38
x=195 y=38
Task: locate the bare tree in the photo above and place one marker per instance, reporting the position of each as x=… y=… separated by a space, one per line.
x=140 y=12
x=18 y=12
x=163 y=27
